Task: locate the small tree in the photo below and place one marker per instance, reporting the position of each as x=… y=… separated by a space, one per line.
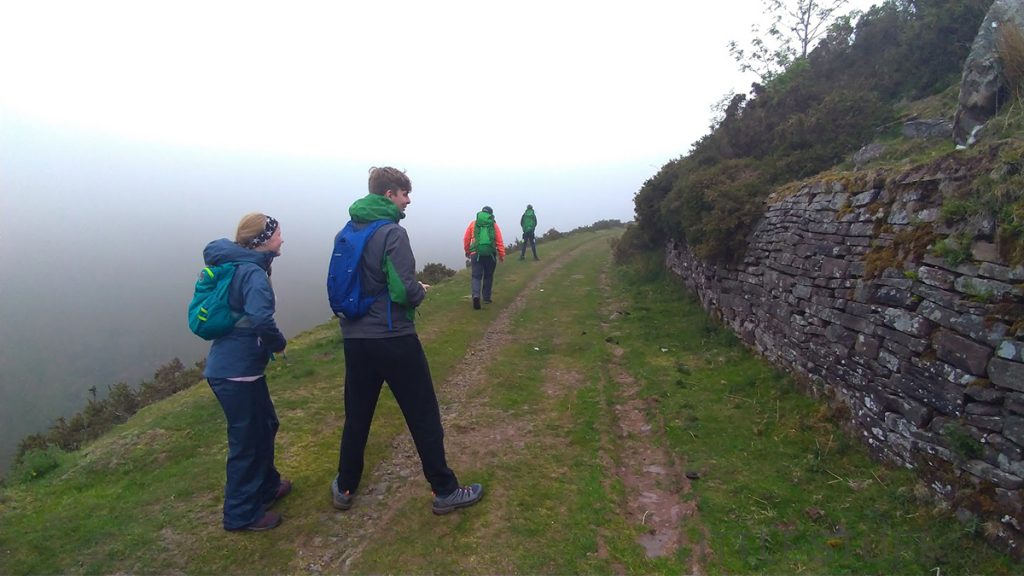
x=795 y=26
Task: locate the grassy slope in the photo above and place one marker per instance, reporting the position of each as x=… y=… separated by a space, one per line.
x=782 y=490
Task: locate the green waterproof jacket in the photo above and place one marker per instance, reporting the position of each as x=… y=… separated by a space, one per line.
x=388 y=264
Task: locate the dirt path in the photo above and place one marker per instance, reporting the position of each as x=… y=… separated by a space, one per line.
x=652 y=476
x=395 y=480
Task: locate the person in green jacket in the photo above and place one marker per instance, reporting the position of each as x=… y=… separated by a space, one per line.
x=529 y=224
x=383 y=346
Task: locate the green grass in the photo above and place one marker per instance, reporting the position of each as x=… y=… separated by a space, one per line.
x=782 y=489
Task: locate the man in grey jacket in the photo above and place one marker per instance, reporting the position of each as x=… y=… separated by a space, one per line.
x=383 y=346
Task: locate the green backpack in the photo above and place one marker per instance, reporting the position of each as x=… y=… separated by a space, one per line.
x=209 y=314
x=483 y=235
x=529 y=221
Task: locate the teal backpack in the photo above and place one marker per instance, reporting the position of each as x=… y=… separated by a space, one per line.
x=483 y=235
x=209 y=314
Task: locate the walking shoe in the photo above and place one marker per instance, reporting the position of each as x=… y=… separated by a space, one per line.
x=283 y=489
x=487 y=301
x=341 y=500
x=270 y=520
x=461 y=498
x=476 y=302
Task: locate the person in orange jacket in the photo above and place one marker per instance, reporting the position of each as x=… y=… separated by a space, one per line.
x=485 y=248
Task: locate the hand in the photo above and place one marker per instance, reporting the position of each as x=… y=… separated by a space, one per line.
x=501 y=259
x=425 y=286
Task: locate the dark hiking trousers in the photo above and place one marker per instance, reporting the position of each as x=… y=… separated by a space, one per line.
x=252 y=479
x=483 y=276
x=529 y=239
x=400 y=361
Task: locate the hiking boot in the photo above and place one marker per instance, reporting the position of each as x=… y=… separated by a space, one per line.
x=535 y=258
x=487 y=301
x=269 y=521
x=461 y=498
x=283 y=489
x=476 y=302
x=341 y=500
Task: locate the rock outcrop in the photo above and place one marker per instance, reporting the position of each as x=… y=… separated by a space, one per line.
x=983 y=89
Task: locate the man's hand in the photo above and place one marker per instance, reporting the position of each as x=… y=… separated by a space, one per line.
x=425 y=286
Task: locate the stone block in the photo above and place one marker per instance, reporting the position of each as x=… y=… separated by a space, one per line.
x=990 y=423
x=895 y=282
x=995 y=271
x=985 y=252
x=1013 y=429
x=862 y=229
x=867 y=346
x=845 y=338
x=1011 y=350
x=935 y=368
x=964 y=269
x=947 y=398
x=864 y=198
x=839 y=201
x=833 y=268
x=982 y=409
x=888 y=360
x=936 y=277
x=845 y=320
x=892 y=339
x=962 y=353
x=916 y=413
x=899 y=215
x=994 y=475
x=1006 y=374
x=984 y=394
x=907 y=322
x=1014 y=403
x=1007 y=449
x=895 y=297
x=937 y=295
x=942 y=316
x=983 y=288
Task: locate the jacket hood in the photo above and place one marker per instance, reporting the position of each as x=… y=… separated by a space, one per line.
x=373 y=207
x=224 y=250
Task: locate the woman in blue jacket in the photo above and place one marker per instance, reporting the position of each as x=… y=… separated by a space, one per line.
x=235 y=370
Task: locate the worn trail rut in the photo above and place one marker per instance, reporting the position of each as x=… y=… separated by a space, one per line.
x=652 y=478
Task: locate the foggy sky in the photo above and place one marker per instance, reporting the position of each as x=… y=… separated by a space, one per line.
x=133 y=133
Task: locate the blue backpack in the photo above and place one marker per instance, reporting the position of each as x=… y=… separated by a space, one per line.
x=344 y=282
x=209 y=314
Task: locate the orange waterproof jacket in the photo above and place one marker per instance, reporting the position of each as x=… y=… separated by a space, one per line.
x=467 y=240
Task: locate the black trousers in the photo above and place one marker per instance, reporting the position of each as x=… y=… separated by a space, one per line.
x=400 y=361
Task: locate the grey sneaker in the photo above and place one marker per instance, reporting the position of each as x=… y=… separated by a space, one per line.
x=461 y=498
x=342 y=500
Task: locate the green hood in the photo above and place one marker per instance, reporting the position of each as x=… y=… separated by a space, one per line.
x=373 y=207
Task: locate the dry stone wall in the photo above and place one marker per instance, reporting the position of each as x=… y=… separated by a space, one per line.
x=927 y=356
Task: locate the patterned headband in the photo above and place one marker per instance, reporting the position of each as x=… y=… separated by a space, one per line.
x=268 y=231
